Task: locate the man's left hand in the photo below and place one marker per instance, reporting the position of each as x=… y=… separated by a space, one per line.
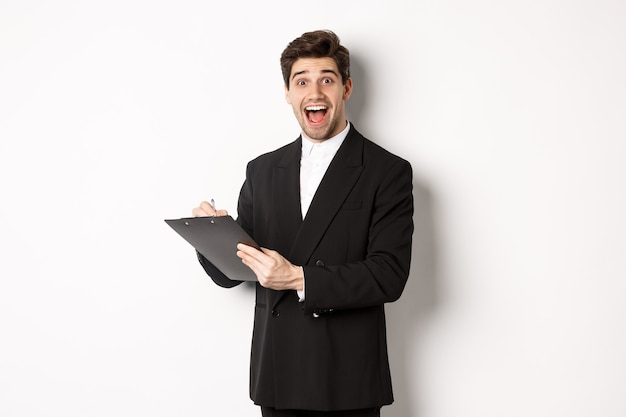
x=271 y=268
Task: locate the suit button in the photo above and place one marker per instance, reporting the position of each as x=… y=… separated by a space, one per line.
x=319 y=262
x=275 y=313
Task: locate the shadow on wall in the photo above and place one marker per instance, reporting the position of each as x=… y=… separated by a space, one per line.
x=419 y=300
x=420 y=295
x=355 y=107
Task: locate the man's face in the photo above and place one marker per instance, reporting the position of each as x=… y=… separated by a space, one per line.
x=318 y=97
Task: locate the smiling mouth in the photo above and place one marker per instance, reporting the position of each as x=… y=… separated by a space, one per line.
x=315 y=114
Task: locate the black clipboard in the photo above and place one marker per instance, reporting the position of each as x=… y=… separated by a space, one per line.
x=216 y=238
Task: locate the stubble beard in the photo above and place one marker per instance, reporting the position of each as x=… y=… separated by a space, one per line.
x=321 y=133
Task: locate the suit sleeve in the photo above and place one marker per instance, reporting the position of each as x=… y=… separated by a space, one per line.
x=244 y=208
x=381 y=275
x=215 y=274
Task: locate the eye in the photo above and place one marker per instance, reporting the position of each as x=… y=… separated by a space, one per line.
x=300 y=82
x=327 y=81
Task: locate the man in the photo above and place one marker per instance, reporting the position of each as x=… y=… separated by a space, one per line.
x=333 y=213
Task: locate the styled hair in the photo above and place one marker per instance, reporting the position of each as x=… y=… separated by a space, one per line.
x=316 y=44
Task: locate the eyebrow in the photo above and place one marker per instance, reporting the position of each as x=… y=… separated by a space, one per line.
x=324 y=71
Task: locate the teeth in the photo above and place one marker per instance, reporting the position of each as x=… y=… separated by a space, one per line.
x=315 y=108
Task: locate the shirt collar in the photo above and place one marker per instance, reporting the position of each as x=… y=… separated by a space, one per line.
x=329 y=145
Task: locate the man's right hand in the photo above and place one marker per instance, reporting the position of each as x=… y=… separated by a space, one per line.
x=205 y=209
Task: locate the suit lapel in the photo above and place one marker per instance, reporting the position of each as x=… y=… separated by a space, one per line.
x=286 y=198
x=342 y=174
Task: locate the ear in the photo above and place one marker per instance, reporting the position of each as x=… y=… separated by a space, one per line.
x=287 y=94
x=347 y=89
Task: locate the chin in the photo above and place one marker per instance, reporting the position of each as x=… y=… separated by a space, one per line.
x=318 y=133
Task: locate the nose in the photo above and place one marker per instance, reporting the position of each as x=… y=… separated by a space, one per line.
x=316 y=91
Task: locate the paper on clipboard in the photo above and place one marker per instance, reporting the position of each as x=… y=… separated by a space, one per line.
x=216 y=238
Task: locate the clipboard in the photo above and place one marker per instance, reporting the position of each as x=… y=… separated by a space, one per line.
x=216 y=238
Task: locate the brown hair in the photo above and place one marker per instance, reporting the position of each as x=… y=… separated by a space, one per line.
x=316 y=44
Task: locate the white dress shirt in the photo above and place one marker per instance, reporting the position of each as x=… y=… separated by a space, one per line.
x=316 y=158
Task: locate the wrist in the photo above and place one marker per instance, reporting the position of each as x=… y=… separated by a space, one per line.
x=298 y=274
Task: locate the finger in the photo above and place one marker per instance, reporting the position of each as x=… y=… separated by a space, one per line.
x=198 y=212
x=249 y=252
x=256 y=260
x=207 y=208
x=252 y=263
x=271 y=253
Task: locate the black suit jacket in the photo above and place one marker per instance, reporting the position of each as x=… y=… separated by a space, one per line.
x=330 y=351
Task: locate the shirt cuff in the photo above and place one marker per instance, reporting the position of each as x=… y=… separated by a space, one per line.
x=301 y=292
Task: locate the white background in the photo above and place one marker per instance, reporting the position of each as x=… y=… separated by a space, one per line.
x=116 y=115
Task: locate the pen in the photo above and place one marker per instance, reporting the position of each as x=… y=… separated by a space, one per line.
x=212 y=203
